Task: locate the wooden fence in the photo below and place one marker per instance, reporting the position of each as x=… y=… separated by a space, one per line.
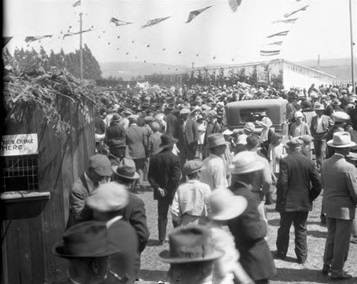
x=26 y=249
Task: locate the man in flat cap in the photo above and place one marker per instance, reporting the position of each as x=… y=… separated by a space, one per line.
x=99 y=171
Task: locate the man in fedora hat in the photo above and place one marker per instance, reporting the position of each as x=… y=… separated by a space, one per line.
x=190 y=204
x=191 y=255
x=99 y=171
x=118 y=152
x=214 y=171
x=90 y=246
x=134 y=212
x=320 y=125
x=115 y=130
x=298 y=186
x=248 y=228
x=339 y=180
x=164 y=176
x=106 y=203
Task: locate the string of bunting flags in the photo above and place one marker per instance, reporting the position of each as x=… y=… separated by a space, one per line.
x=280 y=35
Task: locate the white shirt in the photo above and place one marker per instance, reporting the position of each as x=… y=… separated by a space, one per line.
x=213 y=172
x=319 y=128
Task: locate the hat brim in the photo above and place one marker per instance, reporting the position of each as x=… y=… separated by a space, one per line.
x=256 y=166
x=350 y=145
x=220 y=144
x=58 y=250
x=237 y=205
x=134 y=177
x=166 y=257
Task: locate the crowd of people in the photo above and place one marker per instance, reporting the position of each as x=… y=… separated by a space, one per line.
x=215 y=183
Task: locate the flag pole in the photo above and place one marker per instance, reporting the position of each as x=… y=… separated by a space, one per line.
x=80 y=45
x=352 y=43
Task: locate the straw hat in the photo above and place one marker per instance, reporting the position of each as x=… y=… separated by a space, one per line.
x=250 y=127
x=108 y=197
x=246 y=162
x=225 y=205
x=341 y=140
x=340 y=116
x=192 y=166
x=215 y=140
x=318 y=106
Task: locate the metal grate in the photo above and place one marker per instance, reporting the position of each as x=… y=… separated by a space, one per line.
x=19 y=173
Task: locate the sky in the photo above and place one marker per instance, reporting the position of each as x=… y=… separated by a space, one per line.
x=217 y=36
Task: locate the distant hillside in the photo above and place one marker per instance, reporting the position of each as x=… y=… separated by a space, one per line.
x=127 y=70
x=340 y=67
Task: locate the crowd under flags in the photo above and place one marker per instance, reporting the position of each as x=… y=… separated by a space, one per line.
x=234 y=4
x=118 y=22
x=193 y=14
x=155 y=21
x=287 y=15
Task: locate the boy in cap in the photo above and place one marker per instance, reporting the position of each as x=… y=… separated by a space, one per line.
x=99 y=171
x=190 y=204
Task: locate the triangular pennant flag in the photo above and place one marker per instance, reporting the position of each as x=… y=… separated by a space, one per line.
x=283 y=33
x=193 y=14
x=269 y=52
x=234 y=4
x=287 y=15
x=77 y=3
x=287 y=21
x=5 y=40
x=118 y=22
x=77 y=33
x=35 y=38
x=280 y=42
x=154 y=22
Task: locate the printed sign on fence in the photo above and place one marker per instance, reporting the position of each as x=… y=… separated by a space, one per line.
x=19 y=145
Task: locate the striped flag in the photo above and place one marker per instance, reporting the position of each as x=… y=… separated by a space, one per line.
x=193 y=14
x=283 y=33
x=77 y=3
x=118 y=22
x=154 y=22
x=287 y=21
x=280 y=42
x=287 y=15
x=234 y=4
x=269 y=52
x=35 y=38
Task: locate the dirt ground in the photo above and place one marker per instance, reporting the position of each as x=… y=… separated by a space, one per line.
x=152 y=270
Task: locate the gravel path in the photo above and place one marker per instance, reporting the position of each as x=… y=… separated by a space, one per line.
x=152 y=270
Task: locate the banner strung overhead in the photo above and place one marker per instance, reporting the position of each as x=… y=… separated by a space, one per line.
x=280 y=42
x=269 y=52
x=155 y=21
x=287 y=21
x=77 y=3
x=35 y=38
x=118 y=22
x=77 y=33
x=287 y=15
x=234 y=4
x=193 y=14
x=283 y=33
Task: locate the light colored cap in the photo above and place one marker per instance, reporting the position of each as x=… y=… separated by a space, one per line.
x=246 y=162
x=341 y=140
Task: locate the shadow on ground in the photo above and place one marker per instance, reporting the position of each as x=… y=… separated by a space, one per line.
x=317 y=234
x=152 y=275
x=300 y=275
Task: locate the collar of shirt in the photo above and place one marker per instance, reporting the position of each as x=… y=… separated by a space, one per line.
x=339 y=155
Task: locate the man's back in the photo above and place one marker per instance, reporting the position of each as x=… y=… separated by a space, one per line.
x=294 y=191
x=340 y=187
x=135 y=139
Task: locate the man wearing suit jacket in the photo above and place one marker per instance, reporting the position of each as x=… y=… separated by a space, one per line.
x=164 y=176
x=190 y=134
x=320 y=125
x=136 y=140
x=172 y=122
x=339 y=179
x=298 y=185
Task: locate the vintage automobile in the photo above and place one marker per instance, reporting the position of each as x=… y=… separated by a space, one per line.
x=240 y=112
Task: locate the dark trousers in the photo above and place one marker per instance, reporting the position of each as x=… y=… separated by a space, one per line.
x=320 y=150
x=282 y=242
x=162 y=208
x=337 y=243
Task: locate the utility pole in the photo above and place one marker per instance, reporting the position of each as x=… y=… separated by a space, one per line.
x=352 y=43
x=81 y=45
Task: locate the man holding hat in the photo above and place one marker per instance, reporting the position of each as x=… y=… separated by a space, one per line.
x=164 y=176
x=190 y=204
x=339 y=180
x=214 y=171
x=191 y=256
x=298 y=185
x=320 y=124
x=99 y=171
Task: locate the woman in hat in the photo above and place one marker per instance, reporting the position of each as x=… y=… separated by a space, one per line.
x=248 y=229
x=299 y=127
x=224 y=206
